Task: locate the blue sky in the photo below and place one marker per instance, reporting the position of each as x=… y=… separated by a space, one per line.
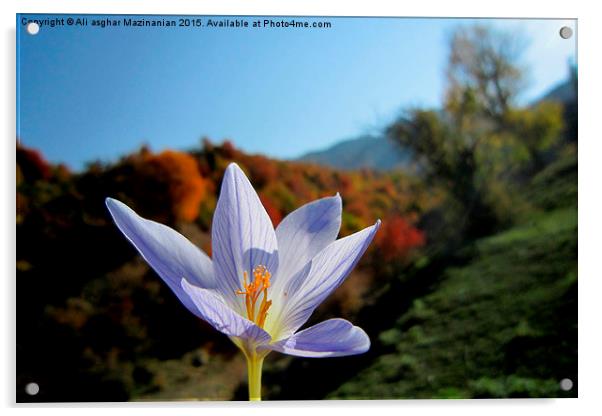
x=88 y=94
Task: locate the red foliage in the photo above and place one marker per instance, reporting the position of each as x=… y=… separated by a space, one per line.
x=273 y=212
x=397 y=237
x=32 y=164
x=228 y=149
x=261 y=169
x=299 y=187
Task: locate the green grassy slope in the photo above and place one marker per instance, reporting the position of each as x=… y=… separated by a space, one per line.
x=503 y=325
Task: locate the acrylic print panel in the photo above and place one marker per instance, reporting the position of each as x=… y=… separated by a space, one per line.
x=234 y=208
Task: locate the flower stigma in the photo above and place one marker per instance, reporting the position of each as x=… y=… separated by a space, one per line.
x=253 y=290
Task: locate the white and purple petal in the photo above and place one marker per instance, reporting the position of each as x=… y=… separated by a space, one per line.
x=331 y=338
x=168 y=252
x=213 y=310
x=242 y=234
x=319 y=278
x=304 y=233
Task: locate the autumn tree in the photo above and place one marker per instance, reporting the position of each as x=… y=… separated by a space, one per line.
x=484 y=72
x=397 y=237
x=166 y=186
x=481 y=137
x=485 y=76
x=184 y=182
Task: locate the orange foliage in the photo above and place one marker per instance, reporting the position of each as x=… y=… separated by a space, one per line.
x=397 y=237
x=62 y=172
x=186 y=185
x=358 y=208
x=346 y=184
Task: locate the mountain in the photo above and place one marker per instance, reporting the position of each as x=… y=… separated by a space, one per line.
x=362 y=152
x=381 y=154
x=565 y=93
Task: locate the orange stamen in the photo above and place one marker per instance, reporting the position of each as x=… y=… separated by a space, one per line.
x=252 y=291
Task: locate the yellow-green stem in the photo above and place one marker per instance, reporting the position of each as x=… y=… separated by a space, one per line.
x=254 y=364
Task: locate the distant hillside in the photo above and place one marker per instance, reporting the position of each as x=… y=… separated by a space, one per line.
x=564 y=93
x=363 y=152
x=381 y=154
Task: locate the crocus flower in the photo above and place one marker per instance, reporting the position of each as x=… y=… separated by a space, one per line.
x=262 y=284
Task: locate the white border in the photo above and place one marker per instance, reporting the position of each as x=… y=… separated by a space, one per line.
x=590 y=230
